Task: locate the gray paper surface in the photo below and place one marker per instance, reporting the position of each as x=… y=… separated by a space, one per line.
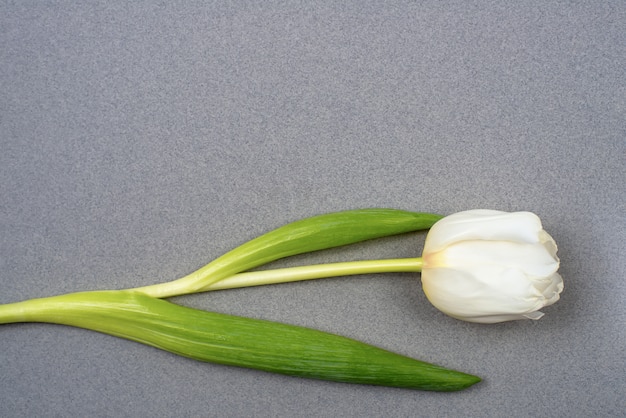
x=139 y=141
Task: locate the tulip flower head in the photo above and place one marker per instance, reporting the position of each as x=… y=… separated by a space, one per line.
x=489 y=266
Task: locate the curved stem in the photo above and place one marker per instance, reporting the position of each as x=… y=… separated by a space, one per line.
x=292 y=274
x=36 y=309
x=27 y=310
x=318 y=271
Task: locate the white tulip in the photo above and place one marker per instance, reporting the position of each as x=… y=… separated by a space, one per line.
x=489 y=266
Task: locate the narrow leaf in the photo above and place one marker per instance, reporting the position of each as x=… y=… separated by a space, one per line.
x=237 y=341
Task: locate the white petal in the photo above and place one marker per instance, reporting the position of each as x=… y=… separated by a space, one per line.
x=552 y=293
x=548 y=285
x=534 y=315
x=480 y=292
x=532 y=259
x=449 y=290
x=549 y=243
x=483 y=224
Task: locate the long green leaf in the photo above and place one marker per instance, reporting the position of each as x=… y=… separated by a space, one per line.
x=237 y=341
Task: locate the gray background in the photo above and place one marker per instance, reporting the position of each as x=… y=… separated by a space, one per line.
x=140 y=141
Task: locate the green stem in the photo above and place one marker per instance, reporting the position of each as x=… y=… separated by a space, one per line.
x=30 y=310
x=318 y=271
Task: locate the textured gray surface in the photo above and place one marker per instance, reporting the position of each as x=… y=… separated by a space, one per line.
x=138 y=142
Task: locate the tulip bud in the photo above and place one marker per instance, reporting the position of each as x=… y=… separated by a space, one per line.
x=489 y=266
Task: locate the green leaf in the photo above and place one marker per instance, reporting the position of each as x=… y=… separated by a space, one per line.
x=237 y=341
x=311 y=234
